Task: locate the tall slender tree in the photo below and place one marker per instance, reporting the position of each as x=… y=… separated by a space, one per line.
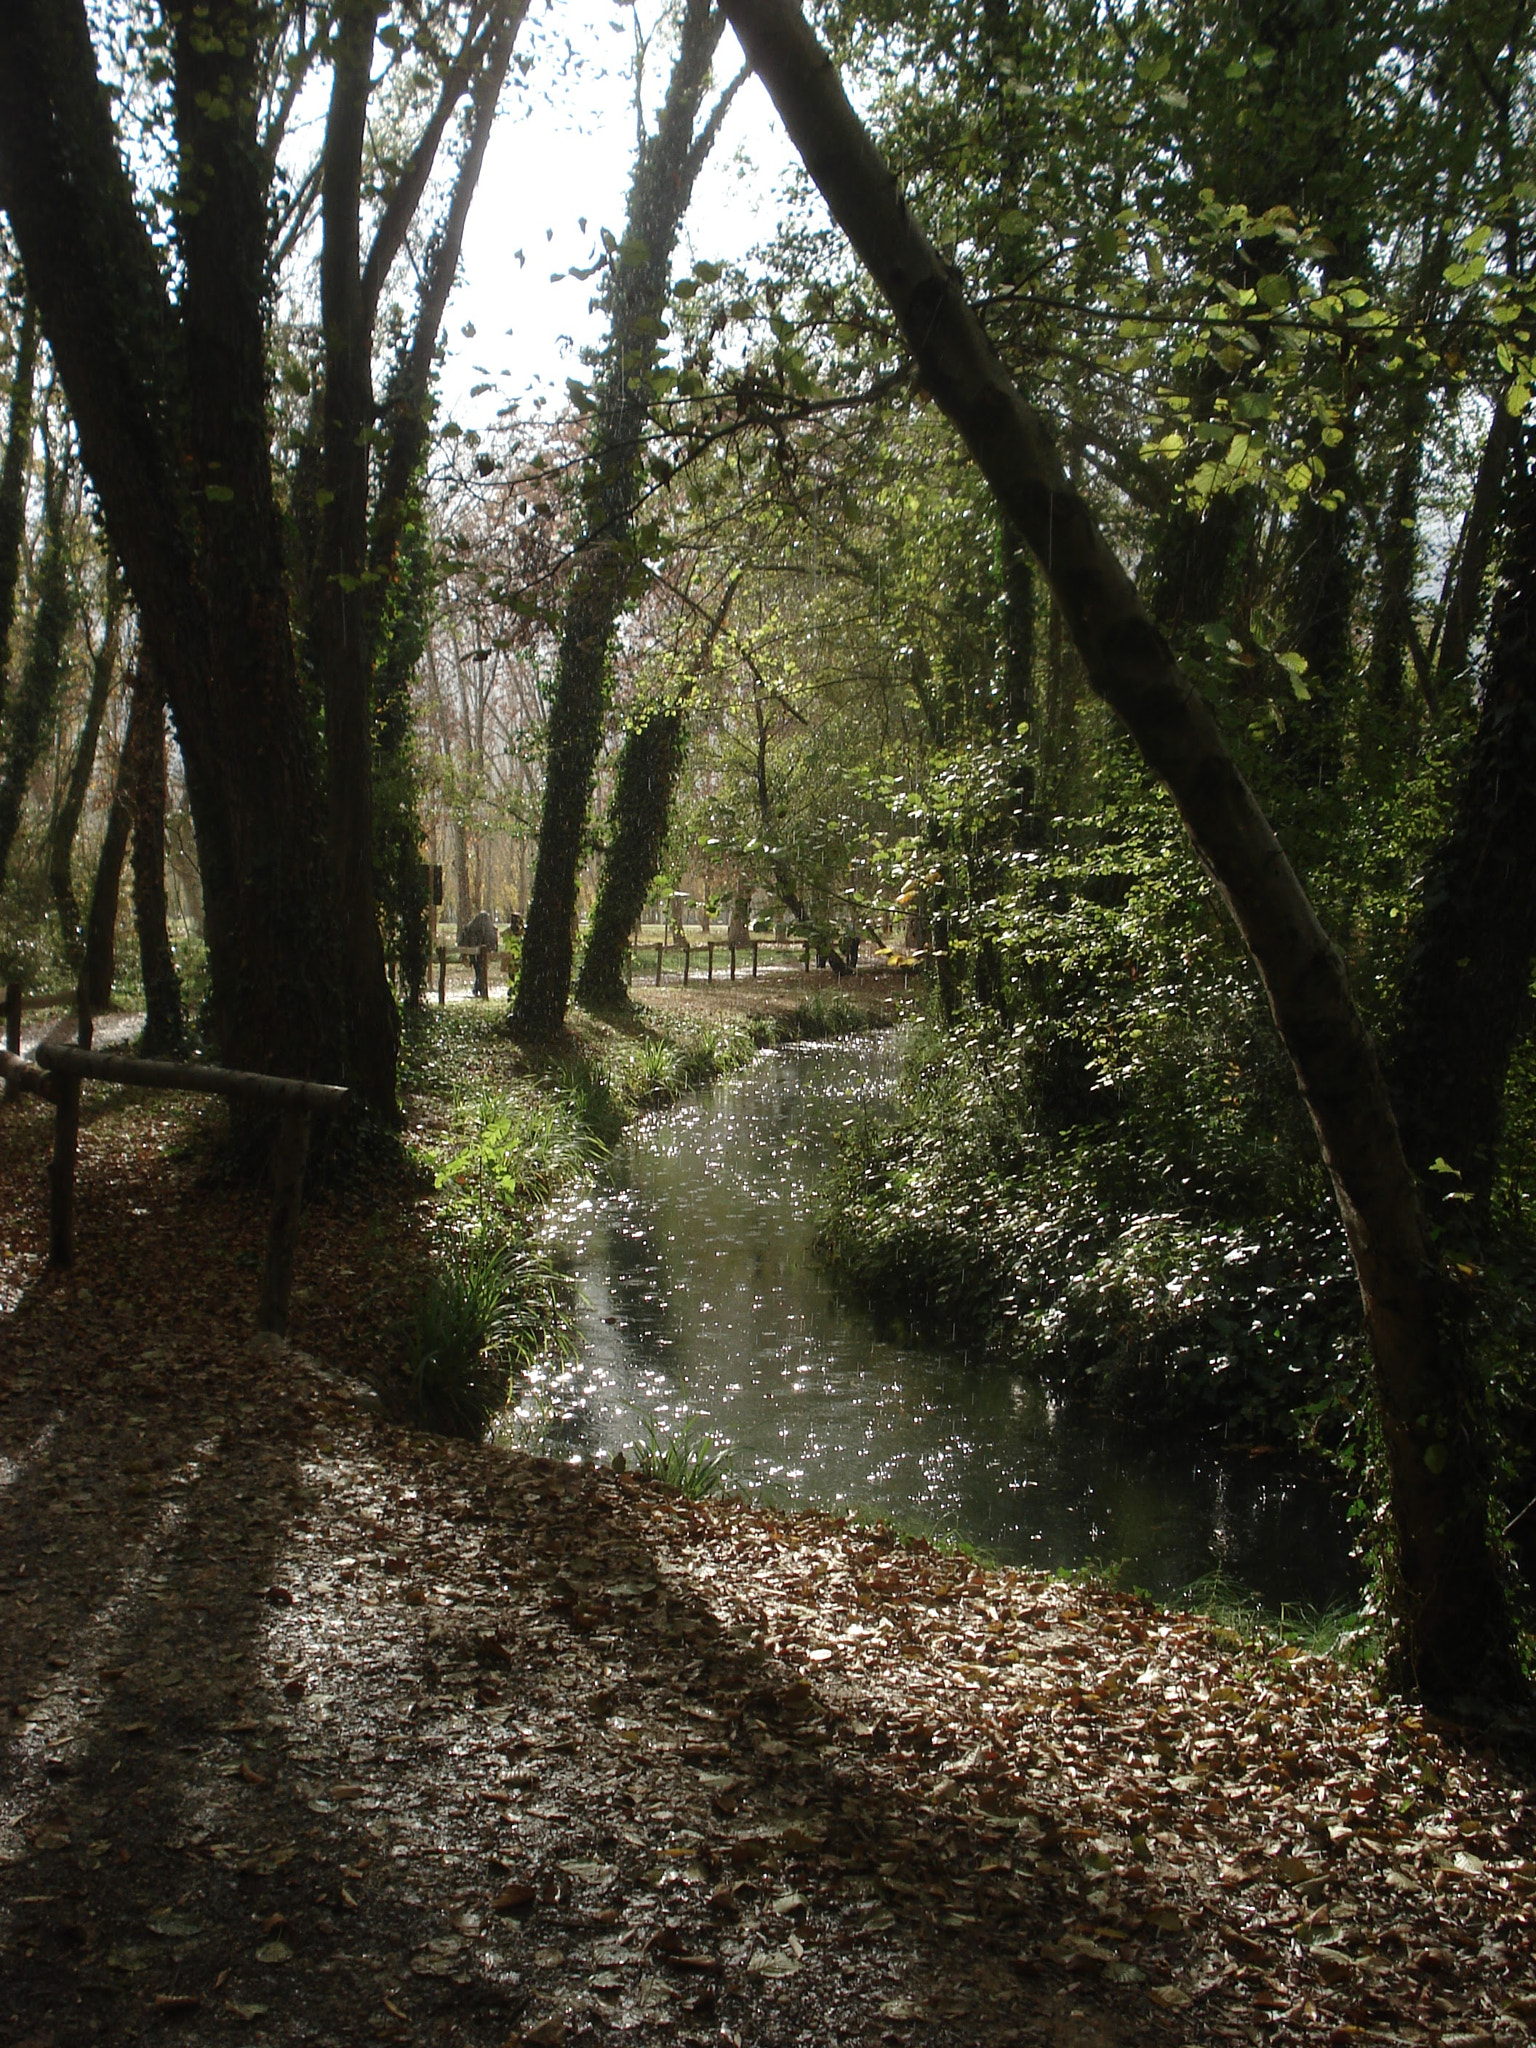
x=606 y=570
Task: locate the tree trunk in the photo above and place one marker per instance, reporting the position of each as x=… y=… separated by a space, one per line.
x=1392 y=624
x=106 y=890
x=66 y=823
x=165 y=1030
x=1466 y=988
x=1454 y=1630
x=15 y=471
x=399 y=583
x=338 y=616
x=666 y=169
x=1463 y=601
x=638 y=818
x=36 y=697
x=170 y=401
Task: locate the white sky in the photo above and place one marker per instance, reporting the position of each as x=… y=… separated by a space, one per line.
x=562 y=153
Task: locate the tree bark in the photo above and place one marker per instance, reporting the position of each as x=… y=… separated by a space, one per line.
x=638 y=818
x=165 y=1030
x=1454 y=1630
x=66 y=822
x=666 y=169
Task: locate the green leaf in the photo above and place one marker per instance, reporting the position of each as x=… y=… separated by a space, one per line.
x=219 y=494
x=1435 y=1458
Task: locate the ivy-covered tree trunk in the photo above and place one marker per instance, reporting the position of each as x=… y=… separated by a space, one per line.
x=606 y=570
x=649 y=765
x=35 y=698
x=66 y=822
x=1454 y=1630
x=170 y=401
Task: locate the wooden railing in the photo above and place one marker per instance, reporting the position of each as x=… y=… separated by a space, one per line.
x=57 y=1074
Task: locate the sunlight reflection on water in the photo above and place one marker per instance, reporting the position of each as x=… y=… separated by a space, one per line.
x=703 y=1299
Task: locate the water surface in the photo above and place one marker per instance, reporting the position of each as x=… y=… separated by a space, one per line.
x=703 y=1300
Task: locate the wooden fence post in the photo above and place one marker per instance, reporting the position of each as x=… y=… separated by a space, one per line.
x=442 y=976
x=710 y=961
x=288 y=1156
x=61 y=1173
x=807 y=956
x=687 y=958
x=13 y=1017
x=659 y=947
x=733 y=963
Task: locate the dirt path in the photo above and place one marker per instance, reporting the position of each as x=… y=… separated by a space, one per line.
x=321 y=1731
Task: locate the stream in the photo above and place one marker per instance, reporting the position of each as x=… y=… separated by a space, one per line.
x=702 y=1301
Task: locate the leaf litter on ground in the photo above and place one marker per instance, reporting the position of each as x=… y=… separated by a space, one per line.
x=318 y=1727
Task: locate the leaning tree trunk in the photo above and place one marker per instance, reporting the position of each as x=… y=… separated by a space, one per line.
x=66 y=823
x=1454 y=1631
x=165 y=1030
x=666 y=169
x=649 y=765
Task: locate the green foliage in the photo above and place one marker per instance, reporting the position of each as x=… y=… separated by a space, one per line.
x=1337 y=1631
x=687 y=1458
x=1102 y=1172
x=824 y=1013
x=489 y=1311
x=515 y=1152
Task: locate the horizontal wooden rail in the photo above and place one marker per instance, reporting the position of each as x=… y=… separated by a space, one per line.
x=191 y=1077
x=58 y=1073
x=21 y=1077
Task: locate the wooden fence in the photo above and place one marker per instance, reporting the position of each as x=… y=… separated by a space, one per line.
x=57 y=1074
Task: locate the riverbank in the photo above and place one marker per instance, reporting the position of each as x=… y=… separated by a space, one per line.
x=321 y=1728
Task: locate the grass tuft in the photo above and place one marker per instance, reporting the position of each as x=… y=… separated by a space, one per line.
x=489 y=1311
x=687 y=1458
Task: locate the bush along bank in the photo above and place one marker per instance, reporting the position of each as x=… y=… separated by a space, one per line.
x=1100 y=1251
x=498 y=1131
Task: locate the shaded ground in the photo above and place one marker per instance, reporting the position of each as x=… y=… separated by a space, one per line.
x=320 y=1730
